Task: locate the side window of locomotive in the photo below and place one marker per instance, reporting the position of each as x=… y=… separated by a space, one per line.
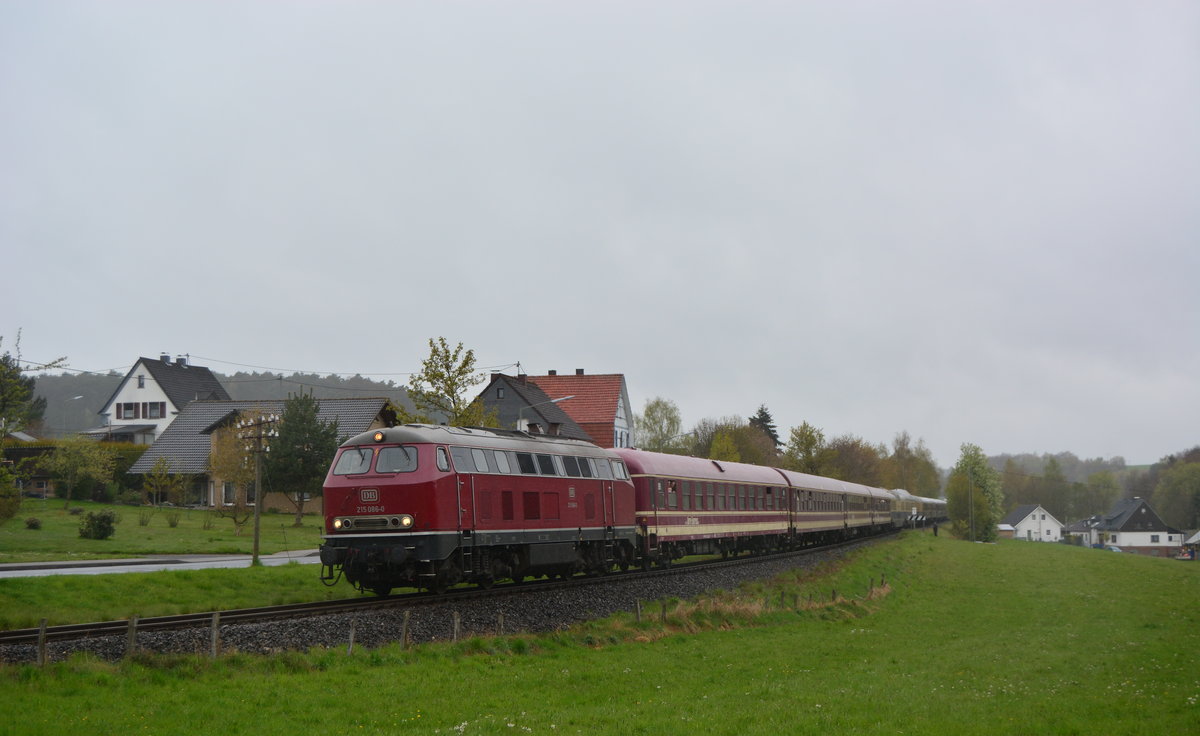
x=353 y=461
x=525 y=463
x=603 y=469
x=585 y=467
x=443 y=460
x=502 y=463
x=463 y=462
x=401 y=459
x=481 y=460
x=546 y=465
x=619 y=470
x=571 y=465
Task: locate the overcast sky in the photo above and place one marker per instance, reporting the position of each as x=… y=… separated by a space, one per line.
x=977 y=222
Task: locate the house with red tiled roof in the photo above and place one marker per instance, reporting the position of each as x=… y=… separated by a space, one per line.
x=599 y=404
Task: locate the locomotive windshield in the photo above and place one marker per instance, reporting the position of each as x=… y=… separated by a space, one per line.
x=402 y=459
x=354 y=461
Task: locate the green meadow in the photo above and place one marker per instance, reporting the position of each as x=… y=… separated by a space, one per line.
x=1015 y=638
x=198 y=531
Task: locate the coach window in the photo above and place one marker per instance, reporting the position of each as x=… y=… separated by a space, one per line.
x=685 y=498
x=571 y=465
x=658 y=495
x=546 y=465
x=712 y=504
x=443 y=460
x=396 y=460
x=525 y=463
x=672 y=495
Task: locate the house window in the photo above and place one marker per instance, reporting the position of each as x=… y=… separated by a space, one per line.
x=141 y=382
x=500 y=392
x=228 y=494
x=1153 y=539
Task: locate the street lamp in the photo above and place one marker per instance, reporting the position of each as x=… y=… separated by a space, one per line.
x=63 y=429
x=521 y=411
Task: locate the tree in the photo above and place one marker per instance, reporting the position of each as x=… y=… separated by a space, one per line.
x=78 y=461
x=762 y=420
x=19 y=407
x=658 y=425
x=231 y=464
x=854 y=459
x=1101 y=491
x=1177 y=496
x=10 y=495
x=1055 y=490
x=162 y=486
x=724 y=448
x=974 y=499
x=439 y=391
x=754 y=446
x=806 y=451
x=911 y=468
x=301 y=452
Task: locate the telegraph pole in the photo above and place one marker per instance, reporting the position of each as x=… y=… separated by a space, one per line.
x=256 y=432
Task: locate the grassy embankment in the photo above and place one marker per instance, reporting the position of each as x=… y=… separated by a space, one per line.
x=1017 y=638
x=58 y=538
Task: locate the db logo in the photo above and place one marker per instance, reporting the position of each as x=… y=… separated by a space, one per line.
x=368 y=495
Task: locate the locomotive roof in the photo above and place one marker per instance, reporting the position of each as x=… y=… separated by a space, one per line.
x=488 y=437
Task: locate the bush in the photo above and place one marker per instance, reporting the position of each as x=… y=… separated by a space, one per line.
x=98 y=525
x=76 y=511
x=33 y=523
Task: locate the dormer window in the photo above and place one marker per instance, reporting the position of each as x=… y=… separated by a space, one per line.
x=500 y=392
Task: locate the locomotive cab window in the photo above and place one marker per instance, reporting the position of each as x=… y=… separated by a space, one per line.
x=402 y=459
x=443 y=460
x=354 y=461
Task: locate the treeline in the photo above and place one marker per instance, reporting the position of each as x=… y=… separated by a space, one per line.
x=1074 y=489
x=73 y=401
x=756 y=441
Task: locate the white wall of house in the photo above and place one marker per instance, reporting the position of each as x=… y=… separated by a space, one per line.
x=140 y=400
x=1038 y=526
x=1162 y=543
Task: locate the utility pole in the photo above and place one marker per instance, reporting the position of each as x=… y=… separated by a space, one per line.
x=256 y=432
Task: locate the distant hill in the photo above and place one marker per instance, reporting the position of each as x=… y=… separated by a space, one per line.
x=73 y=402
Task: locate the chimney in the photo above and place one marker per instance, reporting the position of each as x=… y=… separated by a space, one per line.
x=181 y=361
x=523 y=378
x=495 y=376
x=552 y=373
x=165 y=357
x=579 y=371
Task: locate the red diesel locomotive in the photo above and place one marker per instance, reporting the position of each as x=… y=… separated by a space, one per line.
x=430 y=506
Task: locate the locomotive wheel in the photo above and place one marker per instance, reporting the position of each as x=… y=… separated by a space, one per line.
x=487 y=582
x=381 y=590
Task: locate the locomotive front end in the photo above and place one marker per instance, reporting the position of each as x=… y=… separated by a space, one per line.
x=384 y=525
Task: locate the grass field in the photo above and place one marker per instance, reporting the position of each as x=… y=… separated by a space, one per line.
x=58 y=538
x=1016 y=638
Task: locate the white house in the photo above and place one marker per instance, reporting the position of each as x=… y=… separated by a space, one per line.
x=150 y=397
x=1133 y=526
x=1032 y=523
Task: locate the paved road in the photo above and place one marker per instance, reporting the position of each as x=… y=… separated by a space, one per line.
x=156 y=563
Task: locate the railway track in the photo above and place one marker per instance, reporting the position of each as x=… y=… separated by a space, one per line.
x=415 y=600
